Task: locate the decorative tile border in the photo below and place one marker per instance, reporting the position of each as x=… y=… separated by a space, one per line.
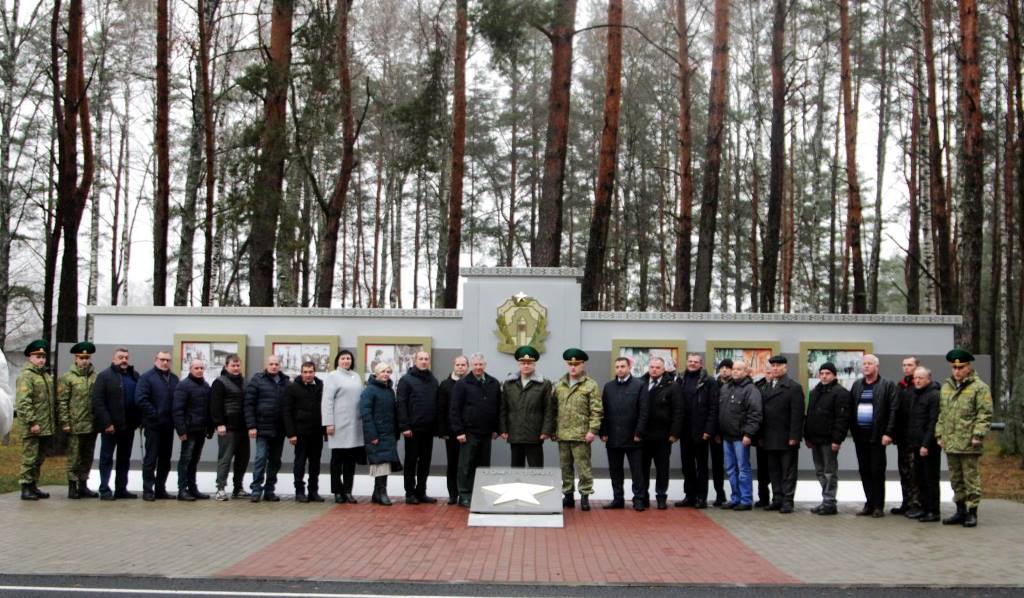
x=534 y=272
x=660 y=316
x=104 y=310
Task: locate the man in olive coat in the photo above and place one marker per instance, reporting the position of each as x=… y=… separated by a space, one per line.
x=782 y=409
x=34 y=405
x=623 y=425
x=578 y=413
x=965 y=413
x=74 y=410
x=527 y=410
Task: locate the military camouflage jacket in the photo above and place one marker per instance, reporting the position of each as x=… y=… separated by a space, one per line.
x=74 y=399
x=578 y=408
x=34 y=402
x=965 y=412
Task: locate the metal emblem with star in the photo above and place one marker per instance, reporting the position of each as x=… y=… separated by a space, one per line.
x=517 y=491
x=521 y=320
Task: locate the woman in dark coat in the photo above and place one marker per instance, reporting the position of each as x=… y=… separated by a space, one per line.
x=380 y=430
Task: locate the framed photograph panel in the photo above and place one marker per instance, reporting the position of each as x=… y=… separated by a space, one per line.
x=846 y=356
x=399 y=351
x=212 y=349
x=640 y=351
x=755 y=353
x=294 y=350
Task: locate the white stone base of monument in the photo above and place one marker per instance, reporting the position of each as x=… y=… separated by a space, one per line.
x=516 y=497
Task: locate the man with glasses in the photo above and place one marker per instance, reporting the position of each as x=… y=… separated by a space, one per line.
x=155 y=395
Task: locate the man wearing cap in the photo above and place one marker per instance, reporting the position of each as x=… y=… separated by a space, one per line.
x=965 y=412
x=828 y=419
x=34 y=405
x=578 y=413
x=527 y=411
x=117 y=417
x=700 y=424
x=782 y=404
x=74 y=410
x=623 y=425
x=872 y=422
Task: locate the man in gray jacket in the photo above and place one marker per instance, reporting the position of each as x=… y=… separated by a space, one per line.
x=739 y=420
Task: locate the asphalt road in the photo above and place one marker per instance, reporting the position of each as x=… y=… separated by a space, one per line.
x=148 y=587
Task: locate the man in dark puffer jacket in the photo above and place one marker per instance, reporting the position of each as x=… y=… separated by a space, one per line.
x=417 y=419
x=304 y=429
x=828 y=419
x=190 y=411
x=227 y=410
x=264 y=417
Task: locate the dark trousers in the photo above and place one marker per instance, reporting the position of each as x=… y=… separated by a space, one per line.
x=527 y=455
x=926 y=472
x=418 y=449
x=232 y=446
x=307 y=451
x=121 y=443
x=452 y=448
x=475 y=452
x=156 y=457
x=717 y=451
x=694 y=454
x=188 y=461
x=906 y=459
x=660 y=452
x=781 y=466
x=764 y=477
x=871 y=464
x=343 y=469
x=634 y=456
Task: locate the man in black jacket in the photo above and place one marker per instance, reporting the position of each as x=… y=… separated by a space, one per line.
x=622 y=430
x=190 y=412
x=264 y=417
x=700 y=424
x=154 y=396
x=920 y=437
x=474 y=413
x=905 y=454
x=117 y=417
x=460 y=367
x=716 y=448
x=825 y=428
x=304 y=429
x=227 y=411
x=417 y=419
x=872 y=421
x=664 y=425
x=739 y=420
x=782 y=406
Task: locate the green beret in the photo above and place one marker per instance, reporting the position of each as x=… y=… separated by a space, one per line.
x=959 y=357
x=37 y=347
x=575 y=356
x=83 y=348
x=527 y=353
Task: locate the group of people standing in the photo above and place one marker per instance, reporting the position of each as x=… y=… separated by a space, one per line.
x=639 y=419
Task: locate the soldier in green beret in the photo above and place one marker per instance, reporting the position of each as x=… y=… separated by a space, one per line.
x=34 y=404
x=965 y=411
x=578 y=413
x=74 y=410
x=527 y=410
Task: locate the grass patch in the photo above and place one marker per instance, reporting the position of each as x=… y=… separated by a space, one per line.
x=1001 y=475
x=53 y=472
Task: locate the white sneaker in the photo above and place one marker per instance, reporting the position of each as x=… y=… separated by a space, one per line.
x=221 y=495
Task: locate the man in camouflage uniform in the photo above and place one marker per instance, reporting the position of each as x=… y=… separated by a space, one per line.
x=74 y=410
x=578 y=413
x=34 y=406
x=965 y=411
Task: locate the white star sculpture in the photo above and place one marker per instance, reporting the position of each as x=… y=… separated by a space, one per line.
x=520 y=491
x=520 y=295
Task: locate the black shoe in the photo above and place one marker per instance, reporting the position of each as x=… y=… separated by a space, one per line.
x=701 y=504
x=269 y=496
x=148 y=496
x=426 y=500
x=638 y=505
x=39 y=492
x=197 y=494
x=27 y=494
x=828 y=511
x=584 y=503
x=761 y=504
x=255 y=497
x=240 y=493
x=453 y=500
x=958 y=517
x=464 y=502
x=877 y=513
x=662 y=503
x=568 y=501
x=865 y=512
x=928 y=518
x=106 y=495
x=915 y=514
x=786 y=509
x=186 y=496
x=384 y=499
x=900 y=510
x=817 y=509
x=616 y=503
x=686 y=502
x=301 y=497
x=73 y=491
x=314 y=496
x=743 y=508
x=162 y=494
x=971 y=519
x=84 y=492
x=719 y=501
x=773 y=507
x=729 y=506
x=410 y=499
x=339 y=499
x=125 y=494
x=350 y=499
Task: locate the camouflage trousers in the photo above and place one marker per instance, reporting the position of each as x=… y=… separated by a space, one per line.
x=33 y=451
x=574 y=458
x=965 y=477
x=80 y=451
x=908 y=478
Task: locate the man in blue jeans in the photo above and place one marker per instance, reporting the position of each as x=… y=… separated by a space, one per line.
x=739 y=419
x=264 y=417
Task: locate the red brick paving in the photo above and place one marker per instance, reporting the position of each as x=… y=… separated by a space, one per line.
x=433 y=543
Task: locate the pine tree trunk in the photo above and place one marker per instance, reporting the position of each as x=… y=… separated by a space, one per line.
x=206 y=11
x=451 y=282
x=684 y=230
x=853 y=205
x=883 y=135
x=161 y=202
x=777 y=172
x=186 y=244
x=973 y=203
x=912 y=269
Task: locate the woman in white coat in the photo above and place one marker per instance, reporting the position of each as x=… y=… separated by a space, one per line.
x=340 y=410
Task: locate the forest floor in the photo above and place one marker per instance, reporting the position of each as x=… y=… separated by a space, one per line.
x=52 y=474
x=1001 y=475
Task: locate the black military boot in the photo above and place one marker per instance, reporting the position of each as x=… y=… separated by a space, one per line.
x=27 y=494
x=84 y=492
x=584 y=503
x=958 y=517
x=39 y=492
x=568 y=501
x=971 y=519
x=73 y=491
